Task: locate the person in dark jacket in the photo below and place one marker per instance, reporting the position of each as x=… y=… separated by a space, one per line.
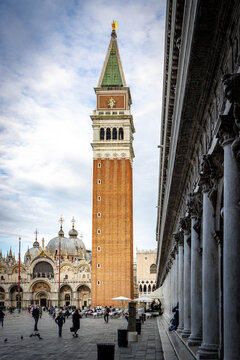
x=106 y=314
x=175 y=320
x=35 y=314
x=76 y=322
x=1 y=316
x=60 y=320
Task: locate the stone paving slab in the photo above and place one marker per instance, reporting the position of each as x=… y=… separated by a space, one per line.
x=91 y=333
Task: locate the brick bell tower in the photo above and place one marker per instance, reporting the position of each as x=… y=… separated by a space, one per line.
x=112 y=215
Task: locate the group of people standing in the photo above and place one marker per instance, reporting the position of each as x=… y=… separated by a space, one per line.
x=60 y=320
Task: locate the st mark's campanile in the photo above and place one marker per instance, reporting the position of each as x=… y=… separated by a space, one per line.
x=112 y=216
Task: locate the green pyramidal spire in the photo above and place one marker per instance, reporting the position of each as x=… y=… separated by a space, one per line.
x=112 y=74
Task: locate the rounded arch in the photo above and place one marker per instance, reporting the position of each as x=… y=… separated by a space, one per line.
x=65 y=288
x=153 y=269
x=102 y=133
x=15 y=296
x=83 y=296
x=13 y=288
x=2 y=296
x=16 y=269
x=67 y=267
x=108 y=134
x=40 y=284
x=43 y=269
x=66 y=295
x=84 y=268
x=3 y=269
x=120 y=134
x=41 y=292
x=114 y=134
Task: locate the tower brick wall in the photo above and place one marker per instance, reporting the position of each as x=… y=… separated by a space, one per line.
x=112 y=215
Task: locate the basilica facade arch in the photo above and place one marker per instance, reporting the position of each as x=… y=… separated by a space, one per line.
x=39 y=283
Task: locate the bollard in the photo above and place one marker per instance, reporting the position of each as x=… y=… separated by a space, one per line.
x=138 y=326
x=122 y=337
x=105 y=351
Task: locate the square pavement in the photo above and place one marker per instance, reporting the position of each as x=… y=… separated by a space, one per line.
x=92 y=332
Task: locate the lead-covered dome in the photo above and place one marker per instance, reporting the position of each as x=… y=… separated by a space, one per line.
x=68 y=245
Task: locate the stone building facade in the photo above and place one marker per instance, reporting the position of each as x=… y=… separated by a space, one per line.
x=39 y=283
x=198 y=222
x=112 y=215
x=146 y=271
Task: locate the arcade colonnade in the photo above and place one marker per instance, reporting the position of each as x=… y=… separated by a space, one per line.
x=198 y=221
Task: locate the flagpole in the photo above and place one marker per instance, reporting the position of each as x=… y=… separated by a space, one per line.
x=19 y=274
x=59 y=271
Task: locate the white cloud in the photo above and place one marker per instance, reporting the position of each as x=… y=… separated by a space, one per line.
x=52 y=55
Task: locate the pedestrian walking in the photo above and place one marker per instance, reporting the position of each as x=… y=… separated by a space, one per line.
x=35 y=314
x=106 y=314
x=76 y=322
x=1 y=316
x=60 y=320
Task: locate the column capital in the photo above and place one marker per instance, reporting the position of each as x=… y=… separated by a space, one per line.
x=194 y=204
x=230 y=124
x=185 y=224
x=178 y=237
x=211 y=170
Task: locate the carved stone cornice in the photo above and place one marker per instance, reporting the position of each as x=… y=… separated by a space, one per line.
x=185 y=224
x=194 y=204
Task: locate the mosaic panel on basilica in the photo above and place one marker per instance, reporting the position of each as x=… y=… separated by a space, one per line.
x=39 y=283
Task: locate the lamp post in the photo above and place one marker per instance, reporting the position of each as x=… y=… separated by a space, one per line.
x=19 y=275
x=59 y=270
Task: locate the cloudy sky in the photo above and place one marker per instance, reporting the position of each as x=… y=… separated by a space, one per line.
x=51 y=56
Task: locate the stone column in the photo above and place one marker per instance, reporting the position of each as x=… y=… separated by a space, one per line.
x=210 y=294
x=179 y=238
x=185 y=225
x=194 y=204
x=176 y=275
x=231 y=231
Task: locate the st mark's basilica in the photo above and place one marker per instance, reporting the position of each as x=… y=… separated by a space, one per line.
x=40 y=273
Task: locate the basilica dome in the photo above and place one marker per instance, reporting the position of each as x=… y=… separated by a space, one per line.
x=33 y=252
x=68 y=246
